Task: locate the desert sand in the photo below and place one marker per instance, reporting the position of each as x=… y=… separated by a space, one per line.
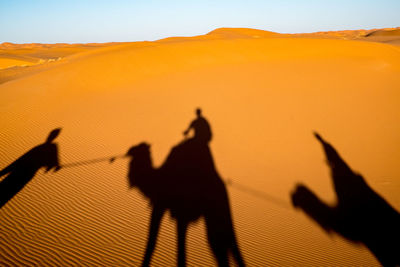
x=263 y=93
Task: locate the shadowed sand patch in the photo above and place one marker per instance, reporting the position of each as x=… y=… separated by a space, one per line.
x=263 y=98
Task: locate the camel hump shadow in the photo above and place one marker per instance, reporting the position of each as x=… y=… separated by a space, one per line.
x=360 y=215
x=188 y=185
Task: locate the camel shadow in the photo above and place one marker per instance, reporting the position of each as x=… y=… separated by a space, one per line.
x=189 y=186
x=361 y=215
x=22 y=170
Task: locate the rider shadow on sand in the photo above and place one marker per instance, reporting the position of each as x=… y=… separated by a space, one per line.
x=361 y=215
x=22 y=170
x=189 y=186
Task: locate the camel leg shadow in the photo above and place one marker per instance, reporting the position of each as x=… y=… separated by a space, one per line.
x=156 y=216
x=182 y=229
x=221 y=236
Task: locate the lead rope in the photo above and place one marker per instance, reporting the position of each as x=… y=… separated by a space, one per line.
x=92 y=161
x=246 y=189
x=259 y=194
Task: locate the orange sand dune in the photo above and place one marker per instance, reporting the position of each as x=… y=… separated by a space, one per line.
x=13 y=46
x=35 y=52
x=226 y=33
x=241 y=32
x=346 y=34
x=10 y=62
x=263 y=98
x=387 y=35
x=18 y=60
x=385 y=32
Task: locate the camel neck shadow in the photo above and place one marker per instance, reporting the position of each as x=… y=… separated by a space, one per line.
x=361 y=215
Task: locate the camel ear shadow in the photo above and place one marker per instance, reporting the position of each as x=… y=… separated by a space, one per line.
x=53 y=135
x=138 y=149
x=144 y=146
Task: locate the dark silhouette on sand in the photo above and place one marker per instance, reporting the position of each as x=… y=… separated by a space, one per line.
x=201 y=128
x=189 y=186
x=21 y=171
x=361 y=215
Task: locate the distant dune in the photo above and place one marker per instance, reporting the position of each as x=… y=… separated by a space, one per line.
x=17 y=60
x=7 y=62
x=263 y=93
x=225 y=33
x=385 y=32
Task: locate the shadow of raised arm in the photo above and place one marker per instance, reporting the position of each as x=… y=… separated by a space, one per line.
x=23 y=169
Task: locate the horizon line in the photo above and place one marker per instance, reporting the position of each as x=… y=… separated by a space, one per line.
x=183 y=36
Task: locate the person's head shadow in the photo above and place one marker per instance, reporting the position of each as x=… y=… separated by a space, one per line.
x=188 y=186
x=361 y=215
x=22 y=170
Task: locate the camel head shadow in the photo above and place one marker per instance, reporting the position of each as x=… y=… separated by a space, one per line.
x=360 y=215
x=189 y=187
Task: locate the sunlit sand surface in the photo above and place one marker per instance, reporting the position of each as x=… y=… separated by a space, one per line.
x=263 y=94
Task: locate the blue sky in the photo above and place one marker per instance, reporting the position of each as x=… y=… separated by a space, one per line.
x=81 y=21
